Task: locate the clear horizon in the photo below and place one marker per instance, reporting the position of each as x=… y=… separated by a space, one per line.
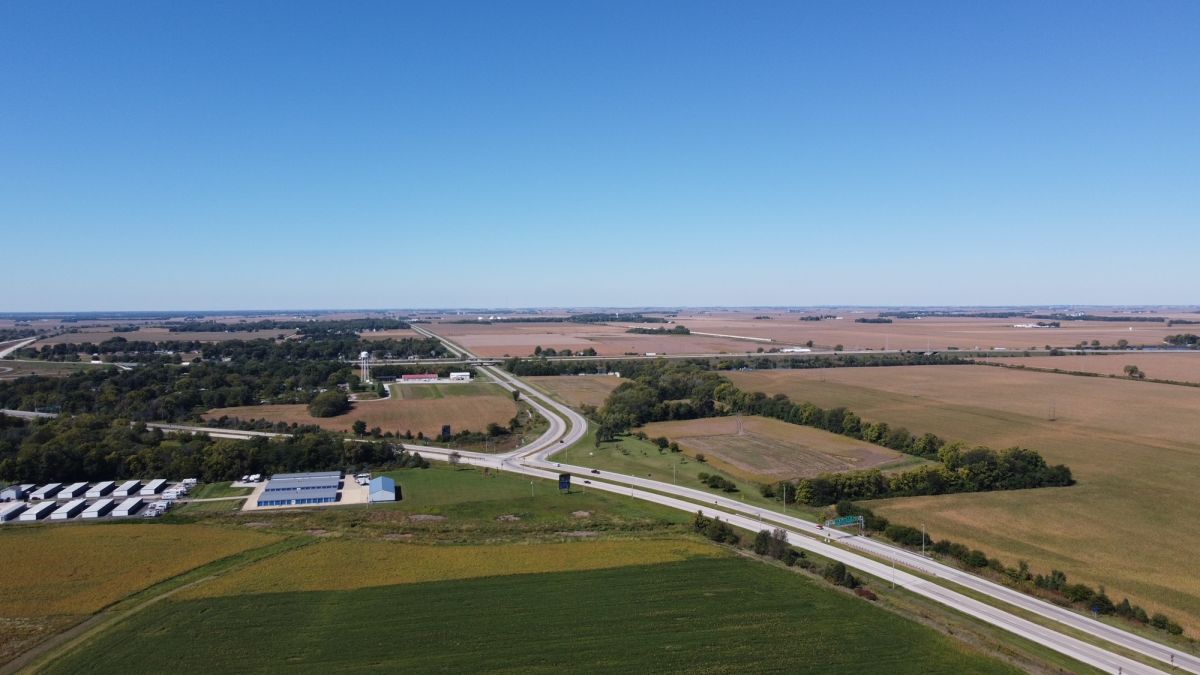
x=594 y=154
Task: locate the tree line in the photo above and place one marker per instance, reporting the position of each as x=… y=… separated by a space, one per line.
x=98 y=447
x=674 y=330
x=304 y=326
x=664 y=391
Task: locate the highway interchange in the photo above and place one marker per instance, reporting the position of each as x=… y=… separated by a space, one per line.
x=909 y=570
x=881 y=560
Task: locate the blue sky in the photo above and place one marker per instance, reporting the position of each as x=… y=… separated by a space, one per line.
x=230 y=155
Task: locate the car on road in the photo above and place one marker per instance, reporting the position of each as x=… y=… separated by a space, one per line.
x=596 y=471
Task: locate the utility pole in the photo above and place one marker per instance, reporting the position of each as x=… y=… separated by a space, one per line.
x=922 y=540
x=673 y=472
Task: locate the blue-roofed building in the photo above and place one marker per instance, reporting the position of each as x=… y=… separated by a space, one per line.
x=298 y=497
x=383 y=489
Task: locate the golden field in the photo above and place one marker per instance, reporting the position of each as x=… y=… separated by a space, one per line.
x=1130 y=522
x=346 y=565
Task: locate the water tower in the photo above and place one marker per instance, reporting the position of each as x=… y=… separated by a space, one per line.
x=364 y=362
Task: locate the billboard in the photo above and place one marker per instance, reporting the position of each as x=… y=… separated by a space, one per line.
x=564 y=482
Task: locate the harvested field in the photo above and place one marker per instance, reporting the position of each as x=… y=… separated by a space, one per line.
x=345 y=565
x=1177 y=366
x=56 y=575
x=1132 y=446
x=578 y=390
x=13 y=369
x=398 y=334
x=767 y=450
x=520 y=339
x=926 y=333
x=488 y=403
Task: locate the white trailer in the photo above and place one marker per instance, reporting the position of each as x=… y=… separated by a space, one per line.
x=69 y=510
x=154 y=487
x=128 y=489
x=45 y=492
x=11 y=511
x=37 y=512
x=101 y=489
x=72 y=491
x=128 y=507
x=100 y=508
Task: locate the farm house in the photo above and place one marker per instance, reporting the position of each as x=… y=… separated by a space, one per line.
x=383 y=489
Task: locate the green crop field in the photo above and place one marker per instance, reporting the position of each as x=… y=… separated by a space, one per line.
x=699 y=615
x=1128 y=525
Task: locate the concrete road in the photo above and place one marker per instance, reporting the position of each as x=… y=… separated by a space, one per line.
x=534 y=459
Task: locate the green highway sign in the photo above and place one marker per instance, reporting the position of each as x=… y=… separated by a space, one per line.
x=844 y=521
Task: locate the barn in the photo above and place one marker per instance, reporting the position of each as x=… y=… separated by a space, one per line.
x=383 y=489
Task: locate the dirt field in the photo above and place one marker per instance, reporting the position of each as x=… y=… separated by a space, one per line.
x=473 y=411
x=1130 y=522
x=927 y=333
x=768 y=450
x=579 y=390
x=520 y=339
x=1178 y=366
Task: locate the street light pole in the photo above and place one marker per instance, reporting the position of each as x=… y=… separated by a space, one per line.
x=922 y=540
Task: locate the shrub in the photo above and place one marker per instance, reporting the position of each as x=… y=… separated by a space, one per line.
x=329 y=404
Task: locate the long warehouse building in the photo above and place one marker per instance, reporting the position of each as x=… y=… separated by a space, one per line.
x=297 y=489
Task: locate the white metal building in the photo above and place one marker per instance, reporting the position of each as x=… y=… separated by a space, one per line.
x=128 y=507
x=101 y=489
x=154 y=487
x=100 y=508
x=128 y=489
x=72 y=491
x=11 y=511
x=460 y=377
x=69 y=510
x=37 y=511
x=46 y=491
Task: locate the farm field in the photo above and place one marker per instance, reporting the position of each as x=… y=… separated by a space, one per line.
x=155 y=334
x=578 y=390
x=12 y=369
x=937 y=333
x=1129 y=523
x=766 y=450
x=631 y=456
x=396 y=334
x=520 y=339
x=342 y=565
x=57 y=575
x=697 y=614
x=471 y=408
x=1178 y=366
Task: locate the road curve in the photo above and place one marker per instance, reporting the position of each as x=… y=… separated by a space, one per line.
x=534 y=459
